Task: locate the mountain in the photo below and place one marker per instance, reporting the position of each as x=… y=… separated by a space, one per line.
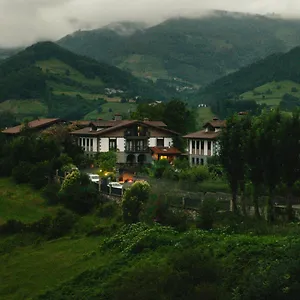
x=64 y=84
x=189 y=50
x=7 y=52
x=273 y=81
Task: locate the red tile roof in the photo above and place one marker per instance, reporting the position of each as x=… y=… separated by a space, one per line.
x=120 y=124
x=203 y=134
x=216 y=123
x=165 y=150
x=33 y=124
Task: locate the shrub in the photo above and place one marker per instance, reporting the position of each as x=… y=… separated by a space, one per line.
x=195 y=174
x=159 y=167
x=21 y=173
x=107 y=210
x=62 y=223
x=50 y=192
x=208 y=211
x=133 y=201
x=70 y=180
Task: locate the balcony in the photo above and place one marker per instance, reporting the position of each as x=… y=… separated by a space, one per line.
x=137 y=149
x=132 y=134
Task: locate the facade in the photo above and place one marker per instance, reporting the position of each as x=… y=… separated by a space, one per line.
x=38 y=125
x=204 y=144
x=134 y=141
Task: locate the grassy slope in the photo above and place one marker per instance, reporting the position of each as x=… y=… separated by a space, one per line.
x=121 y=108
x=24 y=107
x=21 y=202
x=204 y=114
x=278 y=89
x=27 y=272
x=145 y=66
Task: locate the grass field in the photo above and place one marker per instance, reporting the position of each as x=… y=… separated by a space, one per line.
x=271 y=93
x=21 y=202
x=56 y=66
x=121 y=108
x=145 y=66
x=31 y=270
x=23 y=108
x=204 y=114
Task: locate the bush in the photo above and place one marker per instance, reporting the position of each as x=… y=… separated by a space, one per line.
x=195 y=174
x=21 y=173
x=208 y=212
x=50 y=192
x=107 y=210
x=159 y=168
x=133 y=201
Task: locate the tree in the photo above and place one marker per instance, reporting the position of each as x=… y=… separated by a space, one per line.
x=289 y=155
x=133 y=200
x=232 y=156
x=106 y=160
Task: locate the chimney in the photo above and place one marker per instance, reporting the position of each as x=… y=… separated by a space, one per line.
x=146 y=119
x=118 y=117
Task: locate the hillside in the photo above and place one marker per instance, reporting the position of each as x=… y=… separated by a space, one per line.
x=265 y=81
x=186 y=50
x=53 y=81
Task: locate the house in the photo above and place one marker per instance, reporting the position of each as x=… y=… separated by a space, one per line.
x=204 y=144
x=38 y=125
x=136 y=142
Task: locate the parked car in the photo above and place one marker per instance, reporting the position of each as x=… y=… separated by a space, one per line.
x=94 y=177
x=115 y=185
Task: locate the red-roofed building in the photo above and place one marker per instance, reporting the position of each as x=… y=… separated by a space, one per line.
x=39 y=125
x=132 y=139
x=204 y=144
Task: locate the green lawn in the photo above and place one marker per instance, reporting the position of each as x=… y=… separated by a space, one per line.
x=21 y=202
x=28 y=271
x=121 y=108
x=271 y=93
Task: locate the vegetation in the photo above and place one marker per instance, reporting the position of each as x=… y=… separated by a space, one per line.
x=186 y=46
x=262 y=152
x=268 y=80
x=64 y=84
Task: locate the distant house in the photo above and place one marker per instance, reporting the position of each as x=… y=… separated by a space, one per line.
x=38 y=125
x=136 y=142
x=204 y=144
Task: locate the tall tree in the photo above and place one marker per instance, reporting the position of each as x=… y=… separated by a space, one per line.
x=232 y=156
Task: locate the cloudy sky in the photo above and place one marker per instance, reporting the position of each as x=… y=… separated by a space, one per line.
x=23 y=22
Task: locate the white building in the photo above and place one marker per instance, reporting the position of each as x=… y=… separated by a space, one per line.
x=204 y=144
x=136 y=142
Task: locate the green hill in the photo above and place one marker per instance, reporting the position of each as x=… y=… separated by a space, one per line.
x=267 y=81
x=196 y=51
x=47 y=80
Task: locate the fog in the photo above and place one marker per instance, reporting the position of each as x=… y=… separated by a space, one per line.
x=23 y=22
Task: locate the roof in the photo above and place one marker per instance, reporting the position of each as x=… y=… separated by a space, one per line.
x=165 y=150
x=215 y=123
x=206 y=135
x=121 y=124
x=33 y=124
x=156 y=123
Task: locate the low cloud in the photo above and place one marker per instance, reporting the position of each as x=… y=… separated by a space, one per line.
x=23 y=22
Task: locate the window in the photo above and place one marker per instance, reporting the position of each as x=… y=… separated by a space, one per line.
x=92 y=143
x=202 y=145
x=112 y=144
x=202 y=161
x=193 y=160
x=160 y=142
x=209 y=146
x=83 y=142
x=197 y=161
x=193 y=144
x=198 y=145
x=87 y=142
x=80 y=141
